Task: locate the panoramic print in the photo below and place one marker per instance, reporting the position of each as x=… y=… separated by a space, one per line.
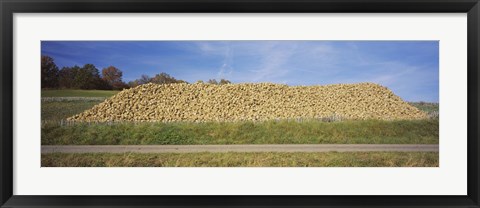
x=240 y=103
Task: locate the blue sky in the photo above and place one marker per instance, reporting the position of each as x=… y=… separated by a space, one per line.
x=408 y=68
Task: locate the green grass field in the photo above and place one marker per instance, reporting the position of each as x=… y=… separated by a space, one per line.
x=269 y=132
x=78 y=93
x=54 y=112
x=231 y=159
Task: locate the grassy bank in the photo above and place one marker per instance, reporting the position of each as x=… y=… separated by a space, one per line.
x=78 y=93
x=327 y=159
x=270 y=132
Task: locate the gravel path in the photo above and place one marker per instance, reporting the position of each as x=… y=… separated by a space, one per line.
x=240 y=148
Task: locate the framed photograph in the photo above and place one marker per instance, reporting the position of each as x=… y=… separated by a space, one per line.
x=269 y=103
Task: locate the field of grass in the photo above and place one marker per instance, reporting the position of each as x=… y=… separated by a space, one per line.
x=231 y=159
x=269 y=132
x=54 y=112
x=78 y=93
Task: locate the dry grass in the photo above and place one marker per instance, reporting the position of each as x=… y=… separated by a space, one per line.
x=231 y=159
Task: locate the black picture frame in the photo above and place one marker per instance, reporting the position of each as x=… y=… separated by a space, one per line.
x=9 y=7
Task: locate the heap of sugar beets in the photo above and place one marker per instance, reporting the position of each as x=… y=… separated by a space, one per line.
x=250 y=102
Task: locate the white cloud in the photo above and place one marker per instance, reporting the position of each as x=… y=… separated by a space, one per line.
x=226 y=69
x=211 y=48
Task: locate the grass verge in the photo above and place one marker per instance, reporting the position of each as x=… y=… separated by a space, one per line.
x=268 y=132
x=267 y=159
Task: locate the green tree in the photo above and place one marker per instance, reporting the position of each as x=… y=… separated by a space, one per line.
x=87 y=77
x=66 y=77
x=49 y=72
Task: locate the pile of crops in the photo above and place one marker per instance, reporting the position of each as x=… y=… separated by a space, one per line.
x=250 y=102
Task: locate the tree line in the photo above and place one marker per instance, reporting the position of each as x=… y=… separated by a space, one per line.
x=89 y=77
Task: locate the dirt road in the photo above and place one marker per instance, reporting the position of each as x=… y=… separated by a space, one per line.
x=240 y=148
